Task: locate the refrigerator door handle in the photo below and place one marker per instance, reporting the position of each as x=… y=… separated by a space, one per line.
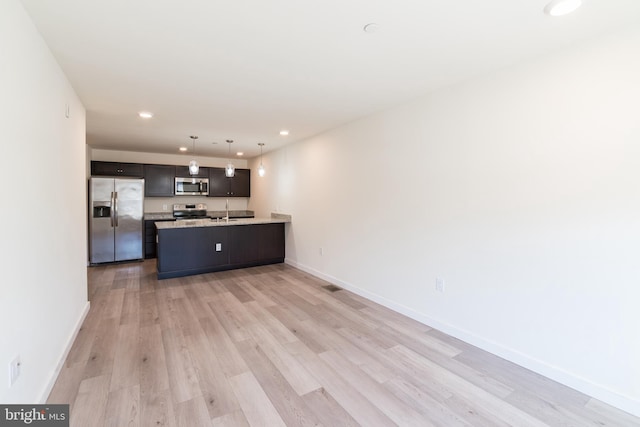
x=115 y=211
x=113 y=203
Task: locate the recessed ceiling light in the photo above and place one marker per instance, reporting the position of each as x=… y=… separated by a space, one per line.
x=562 y=7
x=284 y=132
x=370 y=28
x=183 y=148
x=239 y=153
x=145 y=114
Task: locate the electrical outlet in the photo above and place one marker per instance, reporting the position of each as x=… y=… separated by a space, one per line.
x=164 y=207
x=14 y=370
x=218 y=247
x=439 y=284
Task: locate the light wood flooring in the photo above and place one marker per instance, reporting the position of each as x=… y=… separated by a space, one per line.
x=271 y=346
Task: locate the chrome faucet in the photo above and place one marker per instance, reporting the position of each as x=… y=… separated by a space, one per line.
x=226 y=218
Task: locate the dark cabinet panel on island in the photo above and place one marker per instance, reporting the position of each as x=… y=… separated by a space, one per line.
x=159 y=180
x=237 y=186
x=183 y=172
x=186 y=251
x=271 y=243
x=192 y=249
x=257 y=243
x=244 y=244
x=99 y=168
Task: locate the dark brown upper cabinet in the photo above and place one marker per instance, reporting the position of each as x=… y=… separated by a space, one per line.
x=116 y=169
x=221 y=186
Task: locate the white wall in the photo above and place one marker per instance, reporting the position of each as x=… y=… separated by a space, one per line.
x=157 y=204
x=521 y=189
x=43 y=291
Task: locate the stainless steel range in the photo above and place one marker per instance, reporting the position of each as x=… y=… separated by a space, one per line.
x=190 y=211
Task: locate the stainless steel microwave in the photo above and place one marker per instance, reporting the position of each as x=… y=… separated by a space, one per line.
x=192 y=187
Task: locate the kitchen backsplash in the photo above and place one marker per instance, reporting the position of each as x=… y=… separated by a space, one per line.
x=165 y=204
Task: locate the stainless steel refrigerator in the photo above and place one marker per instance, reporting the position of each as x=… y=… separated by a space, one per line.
x=116 y=209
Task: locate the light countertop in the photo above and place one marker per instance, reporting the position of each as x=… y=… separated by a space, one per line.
x=163 y=216
x=189 y=223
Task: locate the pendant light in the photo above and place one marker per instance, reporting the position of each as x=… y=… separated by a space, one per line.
x=230 y=170
x=261 y=168
x=194 y=168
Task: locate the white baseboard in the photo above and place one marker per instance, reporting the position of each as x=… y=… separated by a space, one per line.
x=597 y=391
x=52 y=380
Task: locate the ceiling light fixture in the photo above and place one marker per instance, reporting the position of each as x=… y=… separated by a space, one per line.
x=261 y=168
x=562 y=7
x=370 y=28
x=182 y=149
x=230 y=170
x=239 y=153
x=284 y=132
x=193 y=164
x=145 y=114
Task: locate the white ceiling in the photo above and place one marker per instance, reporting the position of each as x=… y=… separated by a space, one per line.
x=245 y=69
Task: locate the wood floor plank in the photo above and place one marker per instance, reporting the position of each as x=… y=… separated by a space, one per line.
x=334 y=340
x=290 y=367
x=256 y=406
x=81 y=348
x=346 y=394
x=126 y=365
x=186 y=317
x=149 y=312
x=464 y=389
x=233 y=419
x=103 y=350
x=90 y=403
x=436 y=412
x=447 y=360
x=328 y=410
x=554 y=415
x=123 y=407
x=231 y=362
x=279 y=331
x=478 y=417
x=388 y=403
x=183 y=380
x=290 y=406
x=252 y=287
x=237 y=291
x=516 y=377
x=232 y=316
x=192 y=412
x=153 y=374
x=303 y=331
x=605 y=414
x=269 y=345
x=65 y=389
x=394 y=320
x=216 y=391
x=115 y=300
x=197 y=297
x=156 y=408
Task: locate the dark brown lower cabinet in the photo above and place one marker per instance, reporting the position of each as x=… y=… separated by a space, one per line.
x=187 y=251
x=150 y=246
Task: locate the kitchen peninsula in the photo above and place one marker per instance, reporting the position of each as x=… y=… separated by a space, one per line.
x=199 y=246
